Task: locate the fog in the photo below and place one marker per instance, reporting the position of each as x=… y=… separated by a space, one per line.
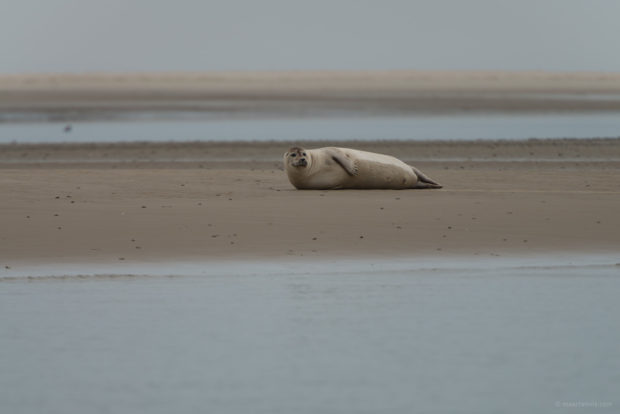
x=192 y=35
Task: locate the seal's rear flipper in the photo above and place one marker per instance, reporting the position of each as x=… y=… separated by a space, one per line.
x=422 y=184
x=425 y=181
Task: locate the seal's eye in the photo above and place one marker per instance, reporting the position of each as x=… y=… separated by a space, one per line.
x=293 y=155
x=304 y=154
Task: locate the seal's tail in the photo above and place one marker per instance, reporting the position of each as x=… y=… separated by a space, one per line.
x=425 y=181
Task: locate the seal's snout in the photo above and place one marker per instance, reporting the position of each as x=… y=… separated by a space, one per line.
x=300 y=162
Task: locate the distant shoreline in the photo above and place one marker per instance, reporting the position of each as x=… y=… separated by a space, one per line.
x=407 y=92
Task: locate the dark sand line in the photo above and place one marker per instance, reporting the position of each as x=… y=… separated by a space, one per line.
x=223 y=153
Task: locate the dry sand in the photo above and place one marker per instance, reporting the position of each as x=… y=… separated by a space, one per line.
x=137 y=202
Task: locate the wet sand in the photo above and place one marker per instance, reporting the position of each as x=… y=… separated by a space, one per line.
x=122 y=203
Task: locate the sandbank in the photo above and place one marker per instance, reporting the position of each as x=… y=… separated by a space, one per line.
x=220 y=201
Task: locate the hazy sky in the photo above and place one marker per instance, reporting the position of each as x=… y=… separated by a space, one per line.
x=157 y=35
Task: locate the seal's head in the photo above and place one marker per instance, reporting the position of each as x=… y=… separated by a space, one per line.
x=296 y=157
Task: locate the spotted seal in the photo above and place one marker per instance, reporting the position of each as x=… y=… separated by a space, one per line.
x=333 y=168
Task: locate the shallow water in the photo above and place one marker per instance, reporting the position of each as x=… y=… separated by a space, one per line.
x=430 y=335
x=191 y=127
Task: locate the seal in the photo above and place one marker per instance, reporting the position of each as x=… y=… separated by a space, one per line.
x=332 y=168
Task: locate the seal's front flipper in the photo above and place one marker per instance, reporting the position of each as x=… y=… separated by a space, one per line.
x=345 y=162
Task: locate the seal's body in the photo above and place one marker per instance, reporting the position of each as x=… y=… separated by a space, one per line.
x=335 y=168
